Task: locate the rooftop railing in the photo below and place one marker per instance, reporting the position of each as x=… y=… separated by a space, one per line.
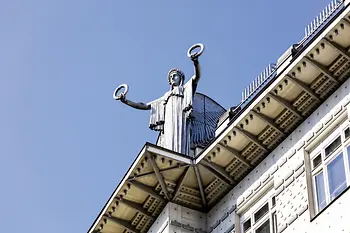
x=258 y=82
x=310 y=30
x=321 y=19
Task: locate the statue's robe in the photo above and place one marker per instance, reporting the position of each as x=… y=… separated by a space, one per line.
x=170 y=115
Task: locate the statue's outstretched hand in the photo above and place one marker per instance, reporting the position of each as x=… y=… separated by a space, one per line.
x=194 y=59
x=192 y=54
x=123 y=97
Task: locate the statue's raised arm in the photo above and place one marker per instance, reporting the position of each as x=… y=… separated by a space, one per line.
x=194 y=57
x=122 y=98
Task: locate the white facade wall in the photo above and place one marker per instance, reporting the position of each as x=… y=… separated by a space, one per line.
x=333 y=220
x=285 y=173
x=178 y=219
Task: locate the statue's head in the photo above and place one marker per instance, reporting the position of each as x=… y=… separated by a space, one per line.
x=176 y=77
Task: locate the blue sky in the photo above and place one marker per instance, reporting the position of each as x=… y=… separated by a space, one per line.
x=64 y=142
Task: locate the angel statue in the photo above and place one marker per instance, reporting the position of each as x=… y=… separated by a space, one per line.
x=172 y=114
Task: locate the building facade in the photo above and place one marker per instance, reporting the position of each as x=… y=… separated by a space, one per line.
x=281 y=163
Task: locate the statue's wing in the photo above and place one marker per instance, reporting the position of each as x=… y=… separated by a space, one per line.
x=205 y=115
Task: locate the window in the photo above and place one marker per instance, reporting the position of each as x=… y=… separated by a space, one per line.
x=333 y=146
x=246 y=225
x=261 y=217
x=321 y=195
x=261 y=212
x=274 y=222
x=347 y=133
x=330 y=167
x=336 y=176
x=264 y=228
x=317 y=161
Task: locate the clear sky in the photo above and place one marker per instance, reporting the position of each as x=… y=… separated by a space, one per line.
x=64 y=142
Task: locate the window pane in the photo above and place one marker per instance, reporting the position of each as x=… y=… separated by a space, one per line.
x=274 y=223
x=333 y=146
x=347 y=133
x=247 y=225
x=261 y=212
x=273 y=201
x=264 y=228
x=321 y=196
x=317 y=161
x=336 y=176
x=348 y=149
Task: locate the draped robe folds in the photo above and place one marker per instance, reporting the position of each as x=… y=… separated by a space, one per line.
x=170 y=115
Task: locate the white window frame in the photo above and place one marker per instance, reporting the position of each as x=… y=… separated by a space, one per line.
x=325 y=161
x=249 y=214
